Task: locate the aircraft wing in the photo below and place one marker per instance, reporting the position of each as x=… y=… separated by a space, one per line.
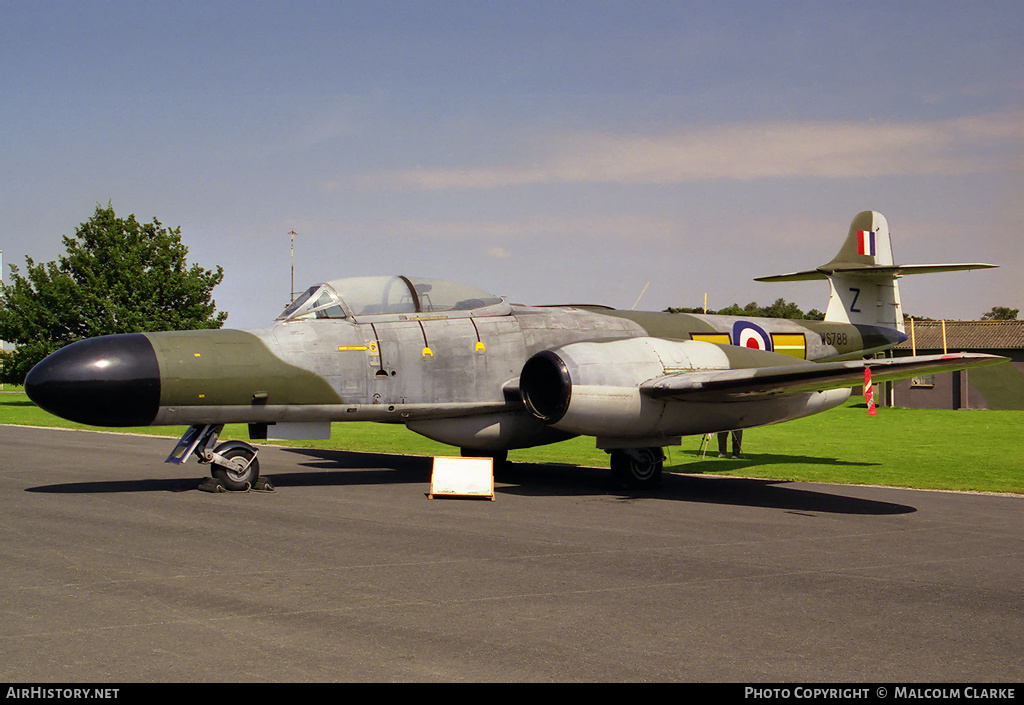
x=750 y=383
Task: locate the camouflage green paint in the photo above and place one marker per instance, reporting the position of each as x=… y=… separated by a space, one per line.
x=823 y=340
x=230 y=368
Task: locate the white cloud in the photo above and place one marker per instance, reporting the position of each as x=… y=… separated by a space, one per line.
x=638 y=227
x=752 y=151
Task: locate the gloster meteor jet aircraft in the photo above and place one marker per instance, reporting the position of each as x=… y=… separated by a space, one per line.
x=470 y=369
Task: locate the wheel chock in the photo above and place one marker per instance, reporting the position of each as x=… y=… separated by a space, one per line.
x=263 y=485
x=213 y=484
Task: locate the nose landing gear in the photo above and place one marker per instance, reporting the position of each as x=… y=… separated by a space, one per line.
x=233 y=464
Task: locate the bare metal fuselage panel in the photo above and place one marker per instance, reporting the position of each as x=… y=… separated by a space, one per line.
x=402 y=367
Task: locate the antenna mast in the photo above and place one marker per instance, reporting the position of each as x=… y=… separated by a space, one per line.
x=292 y=290
x=641 y=296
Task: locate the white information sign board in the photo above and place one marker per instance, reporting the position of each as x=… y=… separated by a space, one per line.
x=462 y=477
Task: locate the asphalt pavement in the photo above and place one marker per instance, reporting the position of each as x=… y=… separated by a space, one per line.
x=116 y=568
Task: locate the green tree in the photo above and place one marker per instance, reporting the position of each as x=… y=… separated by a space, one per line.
x=783 y=309
x=737 y=310
x=1001 y=313
x=674 y=309
x=117 y=276
x=780 y=309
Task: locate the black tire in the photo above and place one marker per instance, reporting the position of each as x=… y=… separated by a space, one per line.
x=232 y=479
x=638 y=468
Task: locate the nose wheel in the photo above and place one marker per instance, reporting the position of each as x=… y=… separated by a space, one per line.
x=233 y=464
x=238 y=468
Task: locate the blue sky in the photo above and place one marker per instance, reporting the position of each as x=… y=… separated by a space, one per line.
x=551 y=152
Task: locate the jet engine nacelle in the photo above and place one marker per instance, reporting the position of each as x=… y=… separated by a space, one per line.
x=593 y=389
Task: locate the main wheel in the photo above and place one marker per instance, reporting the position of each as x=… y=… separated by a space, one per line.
x=638 y=467
x=238 y=479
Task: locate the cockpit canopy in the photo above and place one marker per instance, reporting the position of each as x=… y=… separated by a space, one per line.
x=359 y=297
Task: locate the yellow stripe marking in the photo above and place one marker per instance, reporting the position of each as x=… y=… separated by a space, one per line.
x=720 y=338
x=789 y=344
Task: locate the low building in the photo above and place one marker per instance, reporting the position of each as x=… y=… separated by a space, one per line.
x=993 y=387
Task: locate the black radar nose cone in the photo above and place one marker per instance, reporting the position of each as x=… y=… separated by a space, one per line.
x=113 y=380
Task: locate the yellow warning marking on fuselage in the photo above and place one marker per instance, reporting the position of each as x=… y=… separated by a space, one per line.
x=428 y=351
x=720 y=338
x=790 y=344
x=480 y=346
x=353 y=347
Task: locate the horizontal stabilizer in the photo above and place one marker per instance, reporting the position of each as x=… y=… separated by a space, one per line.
x=892 y=270
x=863 y=277
x=750 y=383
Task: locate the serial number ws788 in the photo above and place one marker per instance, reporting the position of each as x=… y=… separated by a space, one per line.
x=837 y=339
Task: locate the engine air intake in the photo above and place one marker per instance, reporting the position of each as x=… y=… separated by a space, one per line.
x=545 y=386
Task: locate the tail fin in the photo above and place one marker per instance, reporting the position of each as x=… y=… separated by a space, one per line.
x=863 y=277
x=864 y=287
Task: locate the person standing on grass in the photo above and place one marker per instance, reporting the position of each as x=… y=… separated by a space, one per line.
x=737 y=439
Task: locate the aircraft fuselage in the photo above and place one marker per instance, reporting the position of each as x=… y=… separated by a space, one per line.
x=394 y=368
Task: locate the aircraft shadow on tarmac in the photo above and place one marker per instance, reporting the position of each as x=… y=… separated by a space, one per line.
x=340 y=468
x=170 y=484
x=335 y=467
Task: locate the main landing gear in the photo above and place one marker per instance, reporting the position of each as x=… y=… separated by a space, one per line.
x=233 y=464
x=637 y=468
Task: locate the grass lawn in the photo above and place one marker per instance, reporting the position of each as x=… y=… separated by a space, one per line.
x=953 y=450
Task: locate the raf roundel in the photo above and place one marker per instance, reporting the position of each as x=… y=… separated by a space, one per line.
x=749 y=335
